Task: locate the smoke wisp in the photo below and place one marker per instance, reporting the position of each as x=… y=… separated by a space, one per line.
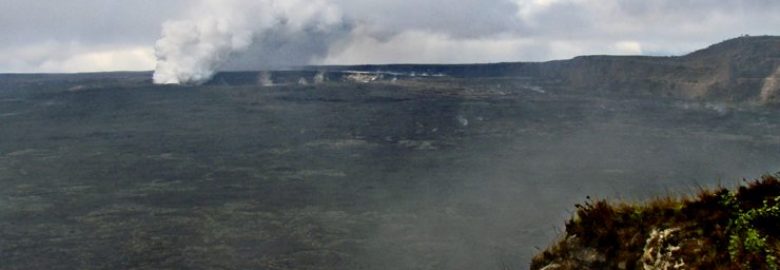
x=191 y=50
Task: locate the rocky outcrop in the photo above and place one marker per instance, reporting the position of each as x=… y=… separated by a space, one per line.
x=770 y=91
x=662 y=251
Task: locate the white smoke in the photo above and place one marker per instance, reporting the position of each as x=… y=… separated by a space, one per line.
x=192 y=50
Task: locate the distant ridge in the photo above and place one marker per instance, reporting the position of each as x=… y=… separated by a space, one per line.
x=744 y=69
x=739 y=70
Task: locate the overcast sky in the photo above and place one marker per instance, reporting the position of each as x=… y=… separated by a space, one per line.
x=106 y=35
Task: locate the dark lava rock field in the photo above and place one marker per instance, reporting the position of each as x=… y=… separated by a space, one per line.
x=106 y=171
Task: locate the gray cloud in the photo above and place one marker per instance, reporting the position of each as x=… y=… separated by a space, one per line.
x=276 y=49
x=673 y=26
x=86 y=21
x=61 y=36
x=465 y=18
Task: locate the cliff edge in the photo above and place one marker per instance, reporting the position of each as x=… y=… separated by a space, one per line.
x=744 y=69
x=718 y=229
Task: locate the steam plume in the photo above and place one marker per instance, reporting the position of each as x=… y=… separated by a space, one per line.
x=191 y=50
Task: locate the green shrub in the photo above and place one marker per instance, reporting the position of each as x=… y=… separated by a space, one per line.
x=745 y=240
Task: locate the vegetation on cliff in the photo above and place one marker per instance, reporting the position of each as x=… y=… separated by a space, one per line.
x=718 y=229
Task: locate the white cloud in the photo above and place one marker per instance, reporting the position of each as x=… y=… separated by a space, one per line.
x=54 y=57
x=365 y=47
x=627 y=47
x=127 y=59
x=423 y=47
